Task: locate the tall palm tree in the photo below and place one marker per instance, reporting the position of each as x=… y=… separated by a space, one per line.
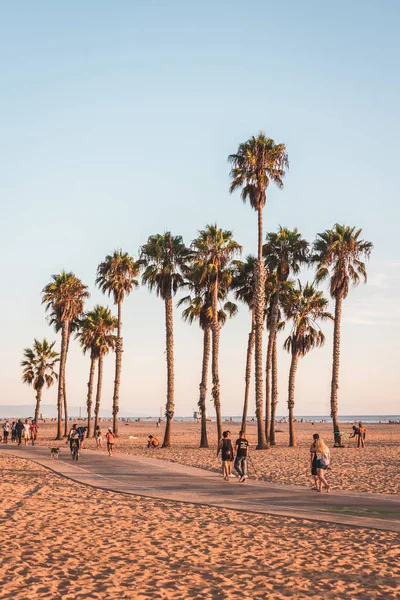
x=64 y=296
x=96 y=335
x=55 y=320
x=214 y=250
x=199 y=307
x=257 y=163
x=284 y=253
x=106 y=341
x=38 y=368
x=116 y=276
x=243 y=285
x=165 y=259
x=338 y=253
x=304 y=306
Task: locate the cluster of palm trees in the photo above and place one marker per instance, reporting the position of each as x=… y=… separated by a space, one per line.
x=211 y=272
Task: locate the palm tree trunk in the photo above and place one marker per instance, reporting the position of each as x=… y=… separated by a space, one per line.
x=61 y=377
x=169 y=329
x=66 y=428
x=98 y=393
x=292 y=380
x=268 y=363
x=259 y=304
x=274 y=394
x=90 y=394
x=215 y=359
x=335 y=368
x=250 y=348
x=203 y=387
x=38 y=399
x=118 y=366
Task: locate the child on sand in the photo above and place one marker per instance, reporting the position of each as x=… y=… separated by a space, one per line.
x=226 y=448
x=110 y=437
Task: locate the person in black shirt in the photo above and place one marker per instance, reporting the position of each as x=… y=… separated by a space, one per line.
x=226 y=448
x=241 y=449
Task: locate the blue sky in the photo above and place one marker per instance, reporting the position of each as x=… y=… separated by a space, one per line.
x=116 y=122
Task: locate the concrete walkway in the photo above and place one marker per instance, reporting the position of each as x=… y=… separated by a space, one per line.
x=156 y=478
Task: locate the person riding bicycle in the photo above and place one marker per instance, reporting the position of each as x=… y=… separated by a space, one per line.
x=73 y=437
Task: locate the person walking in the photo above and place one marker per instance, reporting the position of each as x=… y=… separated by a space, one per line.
x=110 y=438
x=226 y=449
x=323 y=459
x=363 y=433
x=241 y=449
x=13 y=432
x=19 y=428
x=98 y=437
x=26 y=431
x=313 y=458
x=6 y=431
x=34 y=429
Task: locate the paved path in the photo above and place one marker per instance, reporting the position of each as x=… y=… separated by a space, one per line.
x=156 y=478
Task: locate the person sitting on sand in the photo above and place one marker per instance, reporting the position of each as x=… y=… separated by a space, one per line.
x=110 y=438
x=153 y=442
x=241 y=449
x=226 y=449
x=323 y=459
x=313 y=458
x=98 y=437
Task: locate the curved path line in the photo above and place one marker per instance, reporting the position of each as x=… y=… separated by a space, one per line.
x=154 y=478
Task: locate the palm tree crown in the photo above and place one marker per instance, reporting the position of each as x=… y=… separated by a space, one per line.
x=116 y=275
x=165 y=259
x=305 y=306
x=39 y=363
x=243 y=280
x=96 y=331
x=341 y=250
x=284 y=252
x=64 y=296
x=258 y=161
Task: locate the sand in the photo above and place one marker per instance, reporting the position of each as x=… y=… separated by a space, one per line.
x=61 y=540
x=375 y=468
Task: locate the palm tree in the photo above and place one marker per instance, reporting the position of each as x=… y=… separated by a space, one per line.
x=165 y=260
x=199 y=307
x=214 y=250
x=338 y=253
x=38 y=368
x=54 y=320
x=284 y=253
x=106 y=341
x=258 y=161
x=96 y=335
x=64 y=297
x=243 y=284
x=116 y=276
x=305 y=306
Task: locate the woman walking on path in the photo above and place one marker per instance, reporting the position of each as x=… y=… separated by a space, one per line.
x=313 y=458
x=323 y=459
x=99 y=438
x=110 y=437
x=226 y=448
x=14 y=431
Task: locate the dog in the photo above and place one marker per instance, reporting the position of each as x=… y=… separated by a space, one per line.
x=55 y=452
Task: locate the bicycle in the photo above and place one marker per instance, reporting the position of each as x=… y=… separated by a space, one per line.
x=75 y=450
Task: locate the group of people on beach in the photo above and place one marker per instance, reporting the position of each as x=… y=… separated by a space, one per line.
x=78 y=434
x=238 y=455
x=18 y=431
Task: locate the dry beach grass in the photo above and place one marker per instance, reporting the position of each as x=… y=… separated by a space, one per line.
x=64 y=541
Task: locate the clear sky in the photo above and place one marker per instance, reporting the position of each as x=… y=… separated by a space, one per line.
x=116 y=121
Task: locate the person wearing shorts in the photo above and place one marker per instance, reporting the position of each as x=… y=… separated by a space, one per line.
x=226 y=449
x=110 y=438
x=313 y=458
x=34 y=429
x=99 y=438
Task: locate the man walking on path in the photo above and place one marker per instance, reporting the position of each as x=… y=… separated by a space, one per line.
x=19 y=429
x=241 y=450
x=6 y=431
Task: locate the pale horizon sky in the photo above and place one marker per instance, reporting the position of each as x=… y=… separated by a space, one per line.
x=117 y=120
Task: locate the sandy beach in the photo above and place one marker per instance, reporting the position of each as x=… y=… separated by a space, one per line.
x=64 y=540
x=374 y=468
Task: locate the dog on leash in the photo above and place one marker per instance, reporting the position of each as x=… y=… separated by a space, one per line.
x=55 y=452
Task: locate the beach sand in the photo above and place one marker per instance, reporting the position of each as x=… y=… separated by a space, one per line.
x=374 y=468
x=61 y=540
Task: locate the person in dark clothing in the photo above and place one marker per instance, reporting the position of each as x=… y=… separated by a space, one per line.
x=241 y=449
x=13 y=432
x=226 y=449
x=358 y=434
x=313 y=458
x=19 y=428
